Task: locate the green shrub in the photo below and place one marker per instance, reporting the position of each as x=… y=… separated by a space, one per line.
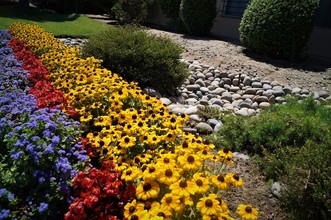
x=198 y=15
x=171 y=9
x=278 y=28
x=131 y=11
x=147 y=59
x=294 y=144
x=305 y=174
x=281 y=125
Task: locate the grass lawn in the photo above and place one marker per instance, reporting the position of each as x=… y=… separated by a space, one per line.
x=63 y=25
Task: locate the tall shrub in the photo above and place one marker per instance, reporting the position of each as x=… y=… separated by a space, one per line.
x=198 y=15
x=131 y=11
x=171 y=9
x=278 y=28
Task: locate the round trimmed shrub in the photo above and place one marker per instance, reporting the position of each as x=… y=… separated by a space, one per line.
x=277 y=28
x=198 y=15
x=137 y=56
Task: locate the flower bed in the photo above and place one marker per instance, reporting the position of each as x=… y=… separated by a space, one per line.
x=40 y=148
x=141 y=163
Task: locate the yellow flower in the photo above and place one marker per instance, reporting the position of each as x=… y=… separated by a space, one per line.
x=130 y=209
x=234 y=179
x=183 y=188
x=150 y=173
x=217 y=217
x=225 y=153
x=152 y=208
x=86 y=118
x=147 y=190
x=209 y=205
x=166 y=160
x=189 y=162
x=130 y=174
x=201 y=182
x=247 y=212
x=219 y=182
x=127 y=141
x=168 y=175
x=170 y=202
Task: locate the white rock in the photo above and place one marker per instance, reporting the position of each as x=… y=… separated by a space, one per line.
x=191 y=110
x=165 y=101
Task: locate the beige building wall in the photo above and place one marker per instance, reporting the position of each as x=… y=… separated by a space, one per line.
x=319 y=45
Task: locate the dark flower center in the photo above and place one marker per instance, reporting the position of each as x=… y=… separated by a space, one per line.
x=199 y=182
x=185 y=145
x=128 y=172
x=161 y=214
x=134 y=217
x=147 y=187
x=220 y=178
x=166 y=160
x=147 y=206
x=190 y=159
x=151 y=169
x=213 y=217
x=226 y=150
x=132 y=209
x=127 y=140
x=183 y=184
x=248 y=209
x=168 y=173
x=209 y=203
x=168 y=200
x=236 y=177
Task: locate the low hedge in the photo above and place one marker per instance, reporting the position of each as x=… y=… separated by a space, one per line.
x=137 y=56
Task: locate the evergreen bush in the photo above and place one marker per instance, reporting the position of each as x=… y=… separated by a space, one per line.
x=171 y=9
x=277 y=28
x=198 y=15
x=132 y=11
x=147 y=59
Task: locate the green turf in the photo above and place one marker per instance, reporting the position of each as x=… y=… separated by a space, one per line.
x=71 y=25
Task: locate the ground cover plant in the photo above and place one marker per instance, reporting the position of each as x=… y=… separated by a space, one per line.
x=137 y=149
x=65 y=25
x=293 y=141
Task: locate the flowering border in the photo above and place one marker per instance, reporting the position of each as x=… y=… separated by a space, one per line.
x=122 y=124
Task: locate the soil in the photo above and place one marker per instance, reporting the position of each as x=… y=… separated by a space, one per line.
x=309 y=73
x=230 y=56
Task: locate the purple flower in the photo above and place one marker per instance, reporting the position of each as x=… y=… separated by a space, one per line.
x=16 y=156
x=4 y=213
x=55 y=140
x=3 y=191
x=32 y=124
x=42 y=207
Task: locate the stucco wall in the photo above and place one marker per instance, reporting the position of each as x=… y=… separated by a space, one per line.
x=319 y=45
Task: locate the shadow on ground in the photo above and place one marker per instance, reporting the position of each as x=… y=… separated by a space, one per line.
x=305 y=63
x=35 y=14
